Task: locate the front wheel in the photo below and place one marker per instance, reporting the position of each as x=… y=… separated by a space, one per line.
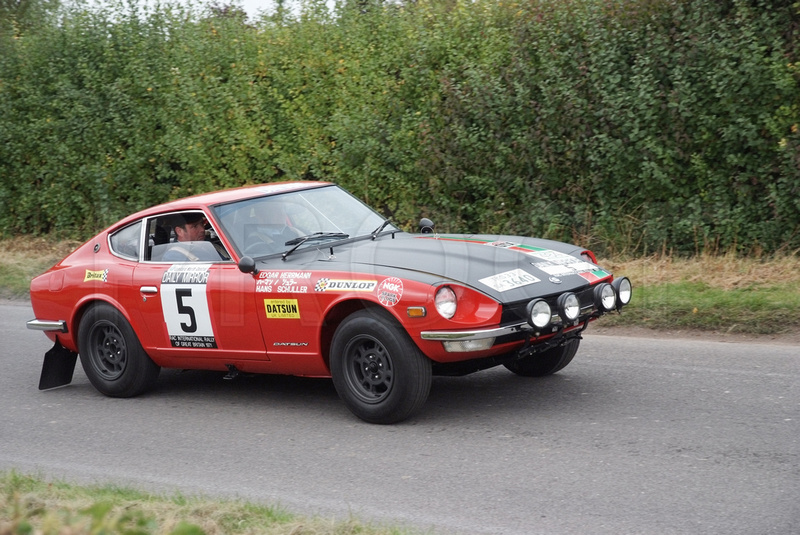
x=111 y=354
x=547 y=362
x=377 y=370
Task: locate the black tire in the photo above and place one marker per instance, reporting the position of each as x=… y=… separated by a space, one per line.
x=377 y=370
x=112 y=356
x=545 y=363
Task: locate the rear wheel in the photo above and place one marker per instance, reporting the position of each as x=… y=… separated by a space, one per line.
x=377 y=370
x=111 y=354
x=547 y=362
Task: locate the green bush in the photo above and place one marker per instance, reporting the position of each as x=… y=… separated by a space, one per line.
x=628 y=126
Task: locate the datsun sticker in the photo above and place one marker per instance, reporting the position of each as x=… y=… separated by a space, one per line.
x=282 y=308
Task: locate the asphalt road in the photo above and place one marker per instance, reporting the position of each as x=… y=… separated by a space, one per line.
x=636 y=436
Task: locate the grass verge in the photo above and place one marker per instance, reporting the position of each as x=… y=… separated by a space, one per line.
x=21 y=259
x=721 y=294
x=31 y=505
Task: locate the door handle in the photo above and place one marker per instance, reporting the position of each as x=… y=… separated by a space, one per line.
x=149 y=290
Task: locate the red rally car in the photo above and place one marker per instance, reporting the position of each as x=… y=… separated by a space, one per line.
x=304 y=279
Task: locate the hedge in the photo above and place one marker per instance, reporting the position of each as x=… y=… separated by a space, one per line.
x=628 y=126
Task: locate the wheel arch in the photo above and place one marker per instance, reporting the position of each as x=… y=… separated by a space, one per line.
x=84 y=305
x=337 y=314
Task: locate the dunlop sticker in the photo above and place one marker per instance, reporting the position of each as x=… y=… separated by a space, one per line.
x=341 y=285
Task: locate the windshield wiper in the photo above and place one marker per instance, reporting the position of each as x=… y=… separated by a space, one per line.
x=380 y=228
x=297 y=242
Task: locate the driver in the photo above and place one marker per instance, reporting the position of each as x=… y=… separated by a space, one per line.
x=191 y=227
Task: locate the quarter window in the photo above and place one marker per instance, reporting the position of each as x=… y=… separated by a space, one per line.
x=125 y=242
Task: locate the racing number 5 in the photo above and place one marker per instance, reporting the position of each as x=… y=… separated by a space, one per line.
x=183 y=308
x=184 y=304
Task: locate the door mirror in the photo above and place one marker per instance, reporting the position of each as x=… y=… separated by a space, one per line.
x=426 y=226
x=248 y=265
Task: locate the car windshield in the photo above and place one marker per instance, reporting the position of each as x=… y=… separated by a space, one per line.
x=276 y=223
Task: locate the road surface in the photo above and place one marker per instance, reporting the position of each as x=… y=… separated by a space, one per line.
x=637 y=435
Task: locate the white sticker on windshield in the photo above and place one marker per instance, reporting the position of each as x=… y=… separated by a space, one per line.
x=509 y=280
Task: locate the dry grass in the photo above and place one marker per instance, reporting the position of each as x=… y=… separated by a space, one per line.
x=22 y=258
x=726 y=272
x=713 y=294
x=27 y=247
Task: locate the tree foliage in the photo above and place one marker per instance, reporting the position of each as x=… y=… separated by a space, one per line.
x=625 y=125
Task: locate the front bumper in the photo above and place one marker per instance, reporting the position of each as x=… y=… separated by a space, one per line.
x=479 y=334
x=474 y=340
x=482 y=339
x=590 y=302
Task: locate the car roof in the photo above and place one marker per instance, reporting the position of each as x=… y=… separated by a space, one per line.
x=221 y=197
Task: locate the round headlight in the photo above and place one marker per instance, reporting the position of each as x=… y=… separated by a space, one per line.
x=539 y=313
x=605 y=297
x=623 y=287
x=568 y=306
x=446 y=302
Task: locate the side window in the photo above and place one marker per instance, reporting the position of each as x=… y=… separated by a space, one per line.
x=183 y=237
x=125 y=242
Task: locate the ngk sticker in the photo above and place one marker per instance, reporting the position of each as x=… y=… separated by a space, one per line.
x=390 y=291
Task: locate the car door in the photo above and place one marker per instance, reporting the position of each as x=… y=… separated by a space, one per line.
x=194 y=309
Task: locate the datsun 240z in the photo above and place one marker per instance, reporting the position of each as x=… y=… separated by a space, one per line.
x=304 y=279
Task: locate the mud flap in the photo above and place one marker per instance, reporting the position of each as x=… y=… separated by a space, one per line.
x=58 y=367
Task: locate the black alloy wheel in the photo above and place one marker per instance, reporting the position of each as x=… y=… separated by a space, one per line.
x=377 y=370
x=111 y=354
